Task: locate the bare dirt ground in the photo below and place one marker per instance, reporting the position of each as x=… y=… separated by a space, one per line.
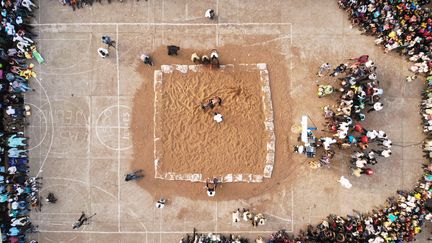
x=85 y=107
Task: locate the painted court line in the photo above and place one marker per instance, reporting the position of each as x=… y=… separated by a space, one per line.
x=83 y=126
x=80 y=181
x=160 y=226
x=161 y=24
x=52 y=126
x=291 y=44
x=60 y=39
x=90 y=137
x=41 y=126
x=40 y=98
x=217 y=26
x=159 y=232
x=272 y=215
x=118 y=130
x=54 y=213
x=216 y=217
x=292 y=209
x=141 y=223
x=281 y=37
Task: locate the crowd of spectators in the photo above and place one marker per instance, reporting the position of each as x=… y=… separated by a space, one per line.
x=77 y=4
x=359 y=94
x=405 y=26
x=18 y=191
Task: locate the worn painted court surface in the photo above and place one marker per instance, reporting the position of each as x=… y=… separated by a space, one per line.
x=80 y=141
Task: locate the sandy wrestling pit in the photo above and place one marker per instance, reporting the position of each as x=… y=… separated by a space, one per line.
x=190 y=145
x=142 y=123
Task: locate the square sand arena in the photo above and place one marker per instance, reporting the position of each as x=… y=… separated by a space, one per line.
x=190 y=145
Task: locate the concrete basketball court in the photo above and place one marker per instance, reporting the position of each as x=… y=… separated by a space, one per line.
x=79 y=130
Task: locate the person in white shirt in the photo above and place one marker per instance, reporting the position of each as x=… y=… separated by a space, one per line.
x=161 y=203
x=236 y=216
x=103 y=52
x=377 y=91
x=211 y=192
x=360 y=163
x=411 y=78
x=323 y=69
x=357 y=154
x=214 y=59
x=210 y=14
x=299 y=149
x=195 y=58
x=12 y=170
x=214 y=54
x=382 y=135
x=19 y=221
x=327 y=141
x=371 y=155
x=386 y=143
x=341 y=134
x=376 y=107
x=211 y=186
x=218 y=117
x=372 y=134
x=345 y=182
x=10 y=110
x=146 y=59
x=384 y=153
x=14 y=205
x=369 y=64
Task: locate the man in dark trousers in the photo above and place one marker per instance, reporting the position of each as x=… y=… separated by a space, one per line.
x=82 y=220
x=107 y=40
x=172 y=50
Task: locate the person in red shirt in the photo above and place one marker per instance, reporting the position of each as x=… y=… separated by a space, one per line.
x=364 y=139
x=361 y=59
x=358 y=128
x=367 y=171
